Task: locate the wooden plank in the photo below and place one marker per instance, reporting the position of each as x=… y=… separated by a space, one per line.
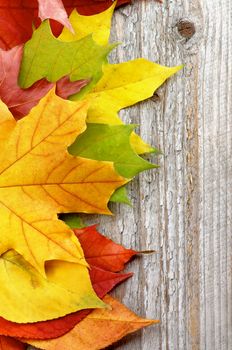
x=168 y=212
x=183 y=210
x=215 y=174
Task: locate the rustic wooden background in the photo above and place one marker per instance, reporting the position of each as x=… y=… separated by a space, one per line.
x=184 y=209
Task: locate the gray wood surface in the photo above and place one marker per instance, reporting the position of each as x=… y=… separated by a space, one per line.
x=183 y=210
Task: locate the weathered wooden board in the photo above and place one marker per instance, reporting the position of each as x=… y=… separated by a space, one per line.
x=184 y=209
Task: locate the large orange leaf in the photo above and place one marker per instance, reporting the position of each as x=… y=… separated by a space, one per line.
x=7 y=343
x=98 y=330
x=36 y=170
x=101 y=251
x=19 y=16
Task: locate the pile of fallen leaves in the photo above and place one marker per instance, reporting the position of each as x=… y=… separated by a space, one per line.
x=65 y=150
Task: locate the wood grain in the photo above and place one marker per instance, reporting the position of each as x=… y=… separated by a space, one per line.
x=183 y=210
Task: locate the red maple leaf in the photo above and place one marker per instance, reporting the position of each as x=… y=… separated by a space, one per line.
x=103 y=252
x=18 y=17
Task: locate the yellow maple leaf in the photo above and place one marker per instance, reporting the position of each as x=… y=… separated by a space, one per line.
x=38 y=179
x=108 y=326
x=122 y=85
x=98 y=25
x=27 y=296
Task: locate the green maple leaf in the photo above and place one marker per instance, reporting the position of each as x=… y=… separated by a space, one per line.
x=72 y=220
x=120 y=196
x=111 y=143
x=48 y=57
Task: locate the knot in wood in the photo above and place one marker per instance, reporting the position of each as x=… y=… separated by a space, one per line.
x=186 y=28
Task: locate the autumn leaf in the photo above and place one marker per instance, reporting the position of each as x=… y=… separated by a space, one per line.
x=55 y=183
x=65 y=88
x=81 y=59
x=7 y=124
x=121 y=196
x=121 y=85
x=110 y=143
x=91 y=7
x=101 y=251
x=27 y=296
x=72 y=220
x=7 y=343
x=17 y=17
x=54 y=9
x=108 y=326
x=16 y=22
x=100 y=26
x=47 y=297
x=20 y=101
x=103 y=280
x=96 y=25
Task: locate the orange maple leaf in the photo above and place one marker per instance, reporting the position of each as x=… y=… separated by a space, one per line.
x=107 y=326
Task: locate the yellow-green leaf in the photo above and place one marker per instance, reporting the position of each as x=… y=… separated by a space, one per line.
x=47 y=57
